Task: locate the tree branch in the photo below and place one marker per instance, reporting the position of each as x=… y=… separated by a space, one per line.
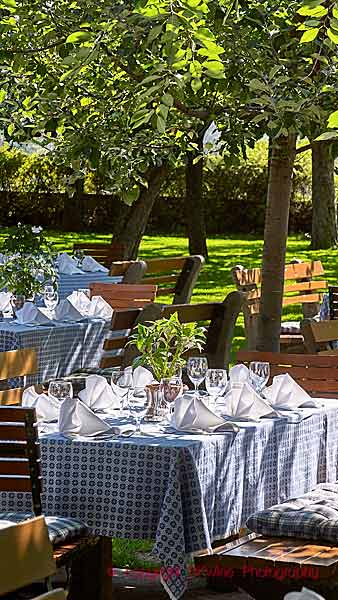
x=36 y=50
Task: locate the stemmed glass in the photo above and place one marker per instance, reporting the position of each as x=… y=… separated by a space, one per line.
x=124 y=381
x=138 y=408
x=60 y=389
x=50 y=297
x=170 y=388
x=197 y=369
x=79 y=256
x=215 y=382
x=259 y=373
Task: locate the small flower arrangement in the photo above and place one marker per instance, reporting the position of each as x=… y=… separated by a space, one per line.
x=28 y=262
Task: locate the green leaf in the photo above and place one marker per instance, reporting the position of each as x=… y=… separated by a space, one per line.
x=196 y=84
x=167 y=99
x=154 y=33
x=78 y=36
x=328 y=135
x=309 y=36
x=163 y=111
x=8 y=3
x=130 y=196
x=333 y=36
x=140 y=117
x=333 y=120
x=307 y=11
x=160 y=124
x=3 y=95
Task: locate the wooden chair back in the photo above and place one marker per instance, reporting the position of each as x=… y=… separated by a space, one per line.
x=174 y=276
x=318 y=336
x=103 y=253
x=316 y=374
x=132 y=271
x=15 y=363
x=26 y=555
x=300 y=287
x=220 y=317
x=20 y=453
x=124 y=295
x=333 y=302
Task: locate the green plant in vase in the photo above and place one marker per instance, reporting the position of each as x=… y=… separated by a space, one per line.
x=28 y=263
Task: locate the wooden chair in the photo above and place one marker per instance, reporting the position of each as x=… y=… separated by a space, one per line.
x=317 y=374
x=175 y=276
x=132 y=271
x=300 y=288
x=20 y=472
x=26 y=557
x=319 y=336
x=221 y=317
x=124 y=295
x=15 y=363
x=103 y=253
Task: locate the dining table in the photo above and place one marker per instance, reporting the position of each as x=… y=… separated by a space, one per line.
x=62 y=347
x=69 y=283
x=184 y=490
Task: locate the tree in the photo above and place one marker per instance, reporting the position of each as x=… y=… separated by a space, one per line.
x=324 y=210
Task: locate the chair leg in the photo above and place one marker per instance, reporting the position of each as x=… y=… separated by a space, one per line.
x=90 y=573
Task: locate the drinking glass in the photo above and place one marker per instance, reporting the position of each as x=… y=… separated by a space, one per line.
x=170 y=388
x=138 y=408
x=197 y=369
x=215 y=382
x=259 y=373
x=79 y=256
x=50 y=297
x=60 y=389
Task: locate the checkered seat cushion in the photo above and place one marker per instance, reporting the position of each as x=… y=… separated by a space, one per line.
x=313 y=516
x=60 y=529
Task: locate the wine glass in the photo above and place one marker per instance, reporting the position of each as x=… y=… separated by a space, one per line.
x=124 y=382
x=170 y=388
x=60 y=389
x=215 y=382
x=50 y=297
x=79 y=256
x=138 y=408
x=259 y=373
x=197 y=369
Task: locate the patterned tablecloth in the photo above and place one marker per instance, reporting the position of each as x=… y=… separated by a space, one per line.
x=184 y=491
x=62 y=348
x=69 y=283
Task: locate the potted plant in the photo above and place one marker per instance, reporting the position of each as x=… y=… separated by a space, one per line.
x=28 y=263
x=162 y=345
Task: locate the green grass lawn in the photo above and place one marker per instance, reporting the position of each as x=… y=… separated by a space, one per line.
x=214 y=284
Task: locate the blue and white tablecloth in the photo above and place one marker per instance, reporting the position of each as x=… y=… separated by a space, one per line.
x=184 y=491
x=62 y=348
x=68 y=283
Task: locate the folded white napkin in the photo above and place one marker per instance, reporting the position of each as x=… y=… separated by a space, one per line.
x=47 y=408
x=5 y=301
x=304 y=594
x=141 y=377
x=80 y=301
x=98 y=307
x=284 y=392
x=238 y=374
x=29 y=313
x=67 y=265
x=91 y=265
x=99 y=395
x=243 y=402
x=66 y=311
x=191 y=414
x=78 y=419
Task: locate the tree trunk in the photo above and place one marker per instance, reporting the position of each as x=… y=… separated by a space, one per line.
x=194 y=206
x=275 y=238
x=324 y=210
x=132 y=232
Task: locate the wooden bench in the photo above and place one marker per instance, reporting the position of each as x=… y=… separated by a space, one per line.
x=174 y=276
x=317 y=374
x=103 y=253
x=20 y=471
x=319 y=335
x=221 y=317
x=300 y=288
x=15 y=363
x=124 y=295
x=27 y=557
x=131 y=271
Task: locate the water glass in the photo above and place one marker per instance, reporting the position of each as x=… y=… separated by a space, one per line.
x=60 y=389
x=79 y=256
x=51 y=297
x=138 y=408
x=124 y=381
x=215 y=382
x=259 y=373
x=170 y=389
x=197 y=369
